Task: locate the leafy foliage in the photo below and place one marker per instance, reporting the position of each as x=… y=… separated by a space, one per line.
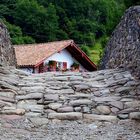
x=85 y=49
x=131 y=2
x=17 y=36
x=49 y=20
x=88 y=22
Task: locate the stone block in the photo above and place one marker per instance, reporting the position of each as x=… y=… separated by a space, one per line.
x=51 y=97
x=85 y=109
x=76 y=78
x=54 y=106
x=134 y=115
x=80 y=102
x=80 y=95
x=123 y=116
x=107 y=99
x=33 y=114
x=114 y=110
x=65 y=116
x=13 y=111
x=80 y=88
x=30 y=96
x=30 y=106
x=65 y=109
x=62 y=91
x=123 y=89
x=6 y=99
x=94 y=117
x=7 y=94
x=133 y=104
x=77 y=109
x=117 y=104
x=128 y=110
x=36 y=89
x=104 y=109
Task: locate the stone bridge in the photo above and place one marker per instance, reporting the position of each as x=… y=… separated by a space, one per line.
x=106 y=95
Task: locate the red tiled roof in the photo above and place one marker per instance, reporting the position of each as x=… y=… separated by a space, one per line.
x=32 y=54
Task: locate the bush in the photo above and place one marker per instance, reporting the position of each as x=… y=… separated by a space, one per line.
x=104 y=41
x=85 y=49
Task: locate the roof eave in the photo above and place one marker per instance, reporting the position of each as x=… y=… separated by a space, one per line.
x=84 y=55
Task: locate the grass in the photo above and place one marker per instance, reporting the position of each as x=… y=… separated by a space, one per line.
x=96 y=52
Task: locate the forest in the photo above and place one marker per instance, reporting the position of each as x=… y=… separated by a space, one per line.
x=88 y=22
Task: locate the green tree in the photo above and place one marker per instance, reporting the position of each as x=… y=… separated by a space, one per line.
x=39 y=22
x=85 y=21
x=107 y=13
x=129 y=3
x=52 y=23
x=17 y=36
x=7 y=9
x=85 y=49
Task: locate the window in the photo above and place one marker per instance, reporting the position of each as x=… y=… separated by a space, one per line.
x=64 y=65
x=59 y=65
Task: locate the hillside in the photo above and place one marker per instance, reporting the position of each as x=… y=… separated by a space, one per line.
x=87 y=22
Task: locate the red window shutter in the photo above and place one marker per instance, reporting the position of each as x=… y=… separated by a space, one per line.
x=64 y=65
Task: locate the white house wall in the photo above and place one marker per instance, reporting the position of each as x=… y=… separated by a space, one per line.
x=63 y=56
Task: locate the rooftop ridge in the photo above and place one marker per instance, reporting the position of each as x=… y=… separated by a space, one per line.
x=23 y=45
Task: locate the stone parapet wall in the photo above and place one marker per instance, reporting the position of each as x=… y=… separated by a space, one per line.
x=103 y=95
x=123 y=48
x=7 y=55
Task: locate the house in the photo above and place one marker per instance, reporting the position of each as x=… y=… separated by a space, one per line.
x=53 y=56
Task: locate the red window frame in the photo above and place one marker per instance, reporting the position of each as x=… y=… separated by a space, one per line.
x=64 y=65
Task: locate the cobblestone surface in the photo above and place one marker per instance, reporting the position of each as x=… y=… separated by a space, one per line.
x=70 y=96
x=30 y=106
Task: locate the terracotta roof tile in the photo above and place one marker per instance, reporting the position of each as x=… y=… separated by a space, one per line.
x=32 y=54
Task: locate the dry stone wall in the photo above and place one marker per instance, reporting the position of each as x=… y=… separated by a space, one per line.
x=7 y=56
x=123 y=49
x=106 y=95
